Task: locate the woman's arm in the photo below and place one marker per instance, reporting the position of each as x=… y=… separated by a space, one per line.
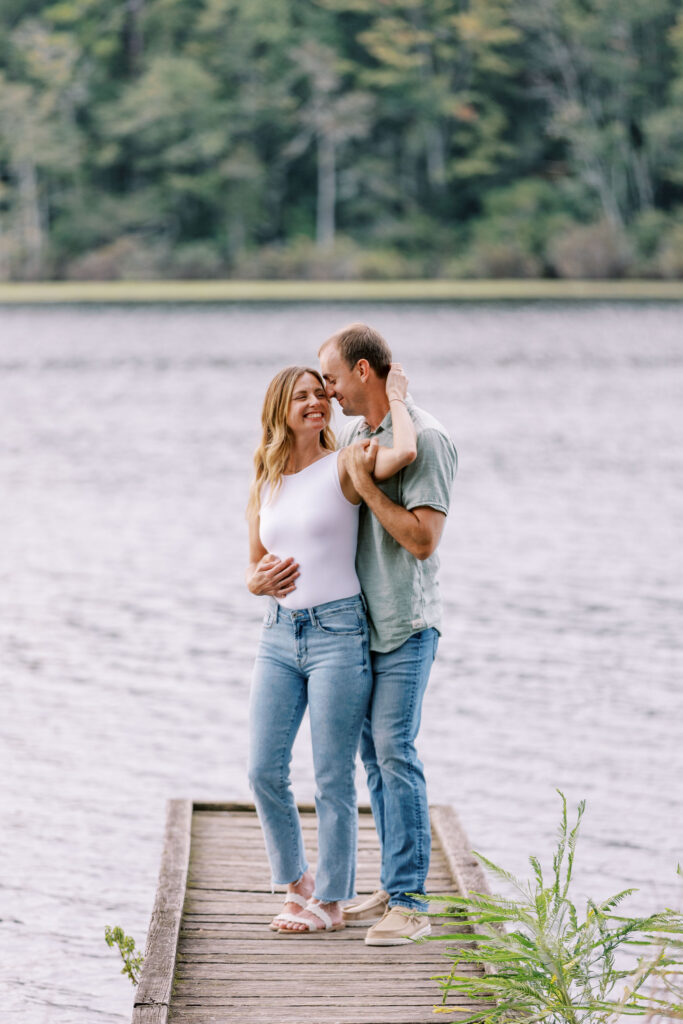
x=387 y=461
x=267 y=574
x=404 y=449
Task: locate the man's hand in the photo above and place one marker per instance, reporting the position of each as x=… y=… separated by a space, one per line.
x=360 y=461
x=397 y=382
x=273 y=576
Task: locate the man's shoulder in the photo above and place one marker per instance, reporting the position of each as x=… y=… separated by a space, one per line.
x=436 y=451
x=430 y=432
x=424 y=420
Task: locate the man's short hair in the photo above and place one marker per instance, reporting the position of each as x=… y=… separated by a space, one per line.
x=358 y=341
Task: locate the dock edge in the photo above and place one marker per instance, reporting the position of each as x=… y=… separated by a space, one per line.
x=153 y=994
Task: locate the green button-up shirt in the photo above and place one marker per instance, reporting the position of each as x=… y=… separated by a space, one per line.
x=402 y=592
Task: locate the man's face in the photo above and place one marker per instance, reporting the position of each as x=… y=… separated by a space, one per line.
x=342 y=382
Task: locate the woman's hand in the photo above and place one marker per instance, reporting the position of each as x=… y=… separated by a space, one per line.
x=360 y=459
x=397 y=382
x=273 y=576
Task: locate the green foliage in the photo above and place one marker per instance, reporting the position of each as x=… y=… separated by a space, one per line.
x=425 y=137
x=548 y=962
x=606 y=72
x=511 y=239
x=591 y=251
x=669 y=258
x=132 y=960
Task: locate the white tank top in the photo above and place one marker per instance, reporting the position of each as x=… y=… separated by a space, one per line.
x=311 y=521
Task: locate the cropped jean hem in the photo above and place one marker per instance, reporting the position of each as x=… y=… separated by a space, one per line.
x=408 y=903
x=288 y=881
x=334 y=899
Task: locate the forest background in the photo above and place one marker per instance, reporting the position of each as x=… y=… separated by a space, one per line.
x=147 y=139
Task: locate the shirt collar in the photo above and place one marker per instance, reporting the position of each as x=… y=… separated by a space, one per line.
x=386 y=423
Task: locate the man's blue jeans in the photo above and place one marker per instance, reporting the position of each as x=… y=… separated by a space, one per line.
x=398 y=794
x=317 y=656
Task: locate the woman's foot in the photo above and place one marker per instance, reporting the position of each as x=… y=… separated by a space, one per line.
x=332 y=912
x=304 y=889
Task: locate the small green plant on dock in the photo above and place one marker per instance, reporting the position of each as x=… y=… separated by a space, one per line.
x=548 y=963
x=132 y=958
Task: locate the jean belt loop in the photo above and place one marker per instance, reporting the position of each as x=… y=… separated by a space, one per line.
x=363 y=601
x=311 y=615
x=276 y=610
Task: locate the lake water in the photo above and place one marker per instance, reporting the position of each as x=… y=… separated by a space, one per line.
x=127 y=635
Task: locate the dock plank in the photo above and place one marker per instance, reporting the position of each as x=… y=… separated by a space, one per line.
x=211 y=957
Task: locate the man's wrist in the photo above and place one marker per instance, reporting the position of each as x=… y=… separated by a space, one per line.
x=363 y=482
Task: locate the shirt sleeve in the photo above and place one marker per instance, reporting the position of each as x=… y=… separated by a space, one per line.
x=429 y=479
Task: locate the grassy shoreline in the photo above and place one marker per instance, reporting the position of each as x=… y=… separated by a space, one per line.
x=50 y=292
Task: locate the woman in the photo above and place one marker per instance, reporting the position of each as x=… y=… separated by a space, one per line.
x=303 y=524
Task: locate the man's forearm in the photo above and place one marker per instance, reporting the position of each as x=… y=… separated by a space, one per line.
x=403 y=525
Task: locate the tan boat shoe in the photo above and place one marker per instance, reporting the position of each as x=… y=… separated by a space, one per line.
x=368 y=911
x=399 y=926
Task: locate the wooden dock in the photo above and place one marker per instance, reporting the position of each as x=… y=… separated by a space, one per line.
x=211 y=958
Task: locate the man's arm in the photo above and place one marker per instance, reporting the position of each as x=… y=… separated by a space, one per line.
x=418 y=530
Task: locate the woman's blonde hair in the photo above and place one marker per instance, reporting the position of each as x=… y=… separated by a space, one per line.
x=272 y=455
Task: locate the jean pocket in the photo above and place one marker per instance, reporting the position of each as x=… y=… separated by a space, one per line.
x=343 y=622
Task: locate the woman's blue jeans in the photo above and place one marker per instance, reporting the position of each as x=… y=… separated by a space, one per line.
x=396 y=782
x=320 y=657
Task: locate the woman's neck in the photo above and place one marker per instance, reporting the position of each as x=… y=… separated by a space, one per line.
x=304 y=453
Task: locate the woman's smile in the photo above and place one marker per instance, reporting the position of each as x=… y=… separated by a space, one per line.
x=309 y=404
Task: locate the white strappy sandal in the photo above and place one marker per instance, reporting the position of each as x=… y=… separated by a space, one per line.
x=317 y=910
x=290 y=897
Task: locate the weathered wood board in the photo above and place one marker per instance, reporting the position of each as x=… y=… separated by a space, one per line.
x=211 y=957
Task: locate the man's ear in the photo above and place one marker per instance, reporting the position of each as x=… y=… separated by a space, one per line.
x=363 y=368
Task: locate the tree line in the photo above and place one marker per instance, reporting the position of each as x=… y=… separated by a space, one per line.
x=341 y=138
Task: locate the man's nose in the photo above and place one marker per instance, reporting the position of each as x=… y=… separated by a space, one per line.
x=329 y=391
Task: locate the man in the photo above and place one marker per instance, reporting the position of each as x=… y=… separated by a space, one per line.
x=401 y=523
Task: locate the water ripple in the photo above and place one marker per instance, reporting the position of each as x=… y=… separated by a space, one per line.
x=127 y=637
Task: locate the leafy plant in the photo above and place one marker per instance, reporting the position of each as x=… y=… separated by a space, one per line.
x=132 y=959
x=548 y=964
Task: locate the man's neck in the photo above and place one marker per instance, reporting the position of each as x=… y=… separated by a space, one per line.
x=376 y=410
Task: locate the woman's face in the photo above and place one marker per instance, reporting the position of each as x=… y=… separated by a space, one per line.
x=309 y=408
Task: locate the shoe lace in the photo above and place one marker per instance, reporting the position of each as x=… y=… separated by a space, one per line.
x=411 y=916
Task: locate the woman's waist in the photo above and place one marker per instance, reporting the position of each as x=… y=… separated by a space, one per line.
x=322 y=583
x=297 y=612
